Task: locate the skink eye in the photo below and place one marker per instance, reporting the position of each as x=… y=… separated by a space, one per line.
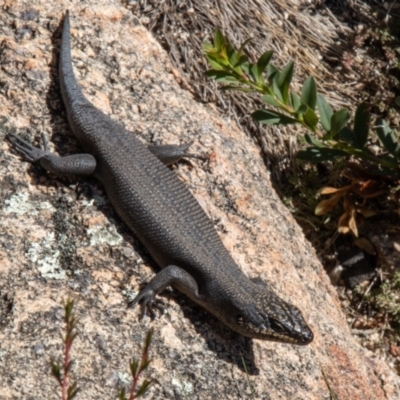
x=276 y=326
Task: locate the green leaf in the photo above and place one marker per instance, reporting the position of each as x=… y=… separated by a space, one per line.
x=241 y=48
x=347 y=135
x=387 y=137
x=325 y=112
x=318 y=154
x=263 y=61
x=271 y=72
x=72 y=391
x=269 y=117
x=56 y=370
x=143 y=388
x=221 y=76
x=309 y=93
x=246 y=68
x=361 y=126
x=276 y=88
x=254 y=72
x=217 y=61
x=134 y=365
x=302 y=109
x=143 y=366
x=219 y=40
x=121 y=395
x=312 y=141
x=214 y=64
x=284 y=79
x=207 y=47
x=296 y=103
x=149 y=338
x=392 y=163
x=232 y=55
x=338 y=121
x=261 y=82
x=268 y=99
x=310 y=119
x=68 y=307
x=241 y=60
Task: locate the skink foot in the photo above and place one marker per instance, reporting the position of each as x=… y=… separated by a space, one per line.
x=149 y=302
x=31 y=153
x=169 y=276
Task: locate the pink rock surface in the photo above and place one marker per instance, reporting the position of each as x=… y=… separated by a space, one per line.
x=59 y=236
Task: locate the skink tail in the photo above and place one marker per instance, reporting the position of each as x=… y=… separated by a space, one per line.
x=70 y=89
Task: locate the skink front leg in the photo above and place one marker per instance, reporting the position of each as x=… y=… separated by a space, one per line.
x=171 y=275
x=76 y=164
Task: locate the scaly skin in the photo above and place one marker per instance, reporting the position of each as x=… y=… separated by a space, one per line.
x=166 y=218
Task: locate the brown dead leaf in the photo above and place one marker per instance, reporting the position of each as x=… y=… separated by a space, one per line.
x=368 y=189
x=325 y=206
x=347 y=221
x=331 y=190
x=365 y=212
x=366 y=245
x=352 y=222
x=343 y=224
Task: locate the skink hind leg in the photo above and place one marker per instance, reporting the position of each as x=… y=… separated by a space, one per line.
x=171 y=275
x=76 y=164
x=171 y=154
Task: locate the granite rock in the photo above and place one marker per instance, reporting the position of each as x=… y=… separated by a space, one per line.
x=60 y=236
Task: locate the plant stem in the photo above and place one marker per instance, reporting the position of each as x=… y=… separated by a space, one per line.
x=64 y=385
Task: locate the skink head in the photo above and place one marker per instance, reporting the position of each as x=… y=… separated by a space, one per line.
x=271 y=318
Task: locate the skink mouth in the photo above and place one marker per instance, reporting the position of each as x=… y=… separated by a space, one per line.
x=301 y=338
x=302 y=334
x=306 y=337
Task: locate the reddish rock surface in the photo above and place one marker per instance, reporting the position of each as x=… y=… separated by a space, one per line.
x=59 y=236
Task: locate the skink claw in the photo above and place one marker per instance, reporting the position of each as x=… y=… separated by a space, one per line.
x=158 y=304
x=31 y=153
x=149 y=302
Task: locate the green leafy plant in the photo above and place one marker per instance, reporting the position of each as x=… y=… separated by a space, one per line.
x=61 y=370
x=329 y=135
x=386 y=298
